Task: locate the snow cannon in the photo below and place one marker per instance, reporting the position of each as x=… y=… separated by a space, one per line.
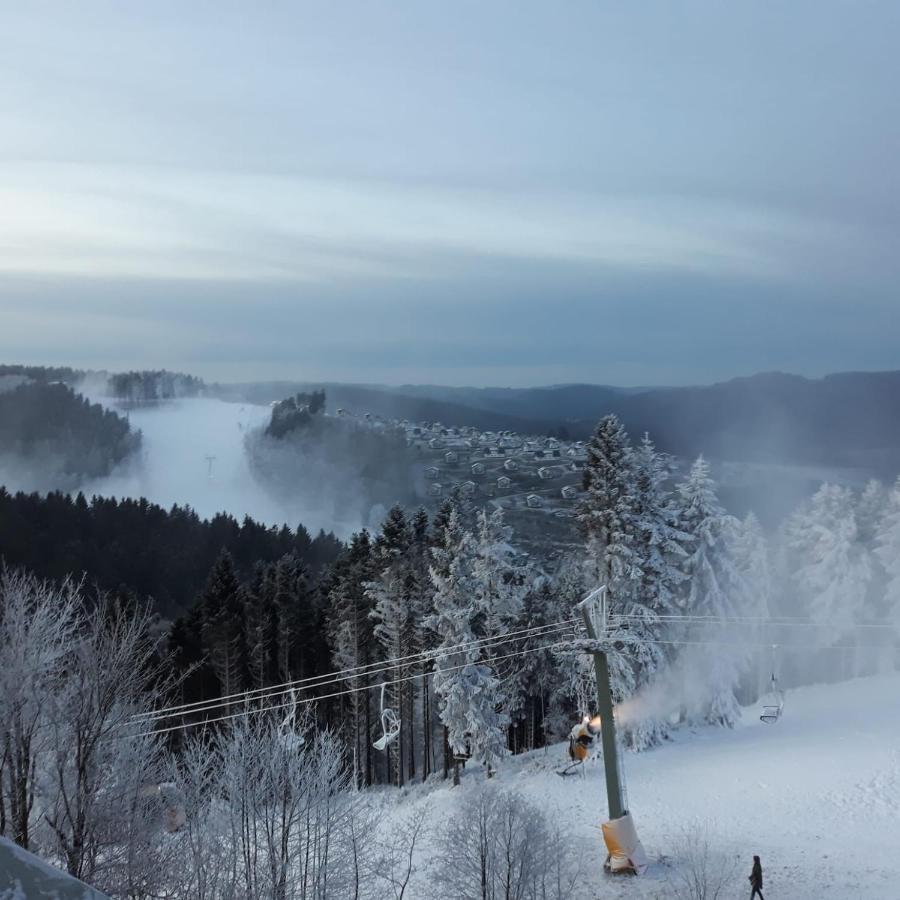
x=626 y=855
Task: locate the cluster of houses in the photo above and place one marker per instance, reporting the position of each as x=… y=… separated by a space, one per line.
x=538 y=473
x=511 y=470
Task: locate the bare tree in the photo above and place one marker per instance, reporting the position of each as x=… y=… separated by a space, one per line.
x=395 y=864
x=270 y=816
x=500 y=847
x=703 y=870
x=100 y=779
x=37 y=624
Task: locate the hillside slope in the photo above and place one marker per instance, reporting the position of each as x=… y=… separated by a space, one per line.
x=817 y=796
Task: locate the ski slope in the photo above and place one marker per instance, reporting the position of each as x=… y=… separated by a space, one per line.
x=816 y=795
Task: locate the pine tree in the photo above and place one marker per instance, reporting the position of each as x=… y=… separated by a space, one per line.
x=392 y=595
x=870 y=509
x=659 y=553
x=263 y=627
x=715 y=588
x=888 y=551
x=752 y=558
x=608 y=519
x=538 y=673
x=500 y=586
x=834 y=568
x=469 y=691
x=574 y=691
x=293 y=598
x=633 y=547
x=423 y=638
x=223 y=630
x=350 y=635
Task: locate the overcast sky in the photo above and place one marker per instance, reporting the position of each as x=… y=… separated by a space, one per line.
x=459 y=193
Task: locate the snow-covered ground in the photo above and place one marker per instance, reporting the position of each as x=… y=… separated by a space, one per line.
x=816 y=795
x=178 y=438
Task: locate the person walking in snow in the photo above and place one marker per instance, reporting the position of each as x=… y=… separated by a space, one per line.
x=756 y=879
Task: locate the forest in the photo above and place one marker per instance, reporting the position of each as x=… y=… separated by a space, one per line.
x=150 y=386
x=161 y=557
x=57 y=434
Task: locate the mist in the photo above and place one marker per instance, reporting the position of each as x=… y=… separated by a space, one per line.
x=193 y=453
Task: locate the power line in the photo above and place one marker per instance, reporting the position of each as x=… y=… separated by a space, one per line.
x=369 y=669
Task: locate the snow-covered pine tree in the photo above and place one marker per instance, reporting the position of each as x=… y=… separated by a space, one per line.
x=888 y=551
x=353 y=645
x=422 y=637
x=872 y=505
x=629 y=526
x=752 y=558
x=834 y=567
x=538 y=673
x=659 y=553
x=223 y=630
x=501 y=583
x=392 y=596
x=574 y=691
x=469 y=691
x=715 y=589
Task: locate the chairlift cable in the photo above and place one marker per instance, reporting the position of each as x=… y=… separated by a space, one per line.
x=625 y=618
x=370 y=669
x=343 y=693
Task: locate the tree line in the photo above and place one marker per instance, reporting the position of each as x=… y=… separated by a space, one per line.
x=161 y=556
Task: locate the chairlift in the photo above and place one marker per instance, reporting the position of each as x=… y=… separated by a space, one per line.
x=390 y=724
x=773 y=702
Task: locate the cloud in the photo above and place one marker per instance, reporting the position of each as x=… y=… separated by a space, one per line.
x=483 y=190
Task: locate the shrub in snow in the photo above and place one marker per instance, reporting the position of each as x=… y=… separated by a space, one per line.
x=702 y=870
x=498 y=845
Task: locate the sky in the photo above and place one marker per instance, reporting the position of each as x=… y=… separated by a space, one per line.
x=457 y=193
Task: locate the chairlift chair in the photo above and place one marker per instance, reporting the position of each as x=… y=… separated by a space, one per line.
x=289 y=734
x=773 y=705
x=390 y=724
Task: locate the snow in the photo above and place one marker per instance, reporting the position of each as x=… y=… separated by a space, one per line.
x=178 y=436
x=816 y=795
x=24 y=876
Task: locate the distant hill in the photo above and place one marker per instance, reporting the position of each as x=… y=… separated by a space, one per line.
x=849 y=419
x=388 y=402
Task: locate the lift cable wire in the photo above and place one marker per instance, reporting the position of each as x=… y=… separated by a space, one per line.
x=353 y=690
x=375 y=668
x=575 y=644
x=742 y=620
x=327 y=679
